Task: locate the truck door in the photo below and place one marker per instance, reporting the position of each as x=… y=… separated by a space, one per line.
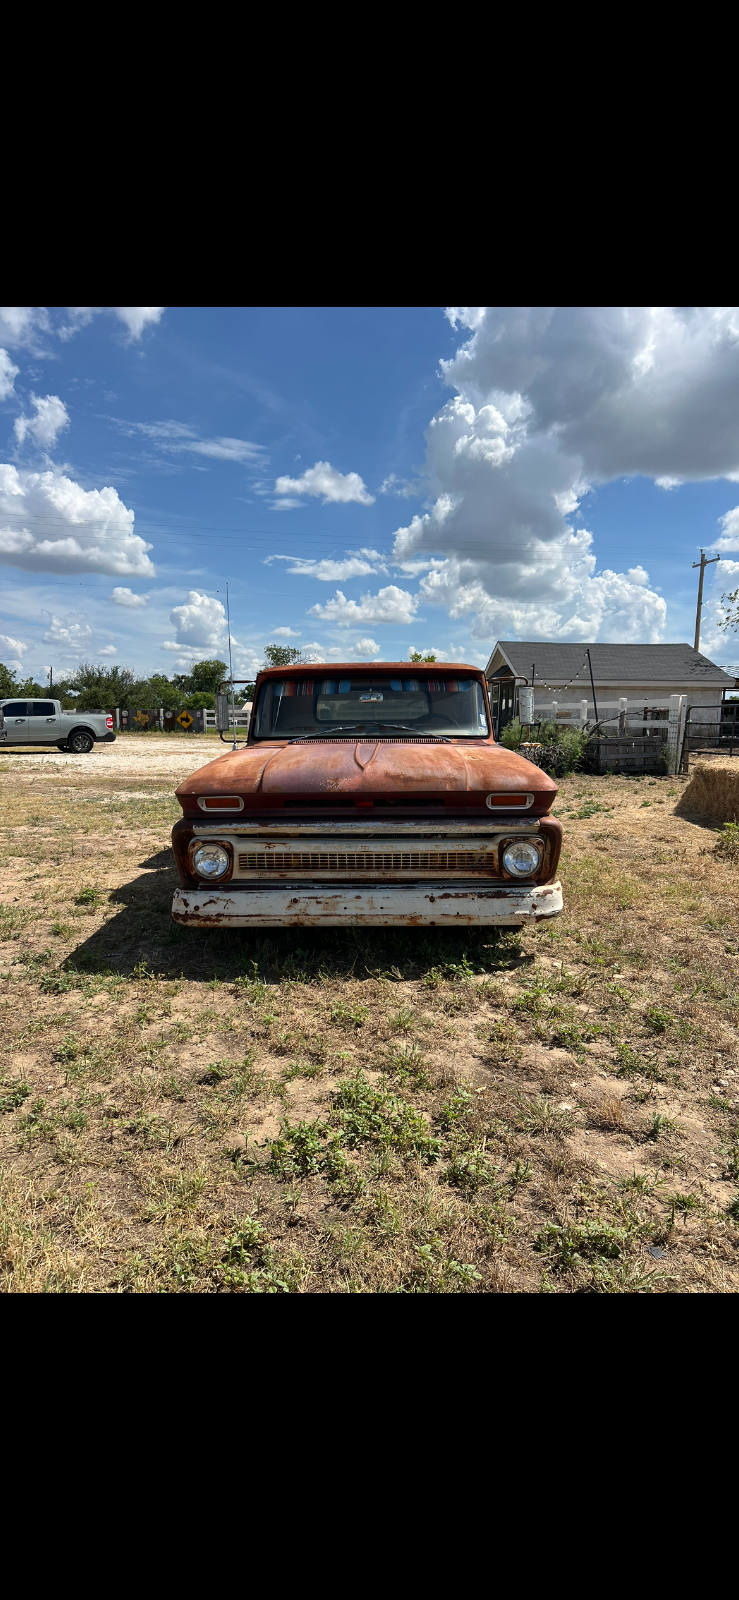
x=44 y=722
x=16 y=722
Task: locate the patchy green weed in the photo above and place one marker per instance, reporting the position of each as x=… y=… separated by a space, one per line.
x=536 y=1114
x=571 y=1244
x=368 y=1115
x=470 y=1170
x=13 y=1095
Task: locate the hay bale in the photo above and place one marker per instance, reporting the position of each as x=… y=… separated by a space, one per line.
x=713 y=791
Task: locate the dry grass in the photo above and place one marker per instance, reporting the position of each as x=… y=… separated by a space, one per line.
x=343 y=1112
x=713 y=791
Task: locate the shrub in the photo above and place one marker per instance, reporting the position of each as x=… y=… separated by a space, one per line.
x=563 y=748
x=727 y=844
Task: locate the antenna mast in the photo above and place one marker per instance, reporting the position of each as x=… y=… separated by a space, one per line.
x=231 y=673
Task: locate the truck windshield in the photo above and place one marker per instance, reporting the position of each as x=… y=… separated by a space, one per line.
x=303 y=707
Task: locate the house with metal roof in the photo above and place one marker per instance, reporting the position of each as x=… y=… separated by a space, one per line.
x=626 y=684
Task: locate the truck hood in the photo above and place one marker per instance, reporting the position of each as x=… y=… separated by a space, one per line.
x=366 y=768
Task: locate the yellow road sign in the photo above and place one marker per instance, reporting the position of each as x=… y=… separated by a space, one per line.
x=185 y=720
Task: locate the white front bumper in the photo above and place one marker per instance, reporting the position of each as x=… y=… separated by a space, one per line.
x=303 y=905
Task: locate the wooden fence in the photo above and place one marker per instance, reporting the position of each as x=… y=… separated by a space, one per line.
x=184 y=721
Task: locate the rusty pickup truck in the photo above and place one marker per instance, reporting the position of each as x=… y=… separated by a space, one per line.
x=374 y=795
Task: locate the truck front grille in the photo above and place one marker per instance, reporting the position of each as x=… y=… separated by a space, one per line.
x=368 y=861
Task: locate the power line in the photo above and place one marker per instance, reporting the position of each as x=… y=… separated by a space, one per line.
x=187 y=530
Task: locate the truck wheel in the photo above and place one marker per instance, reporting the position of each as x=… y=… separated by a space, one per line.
x=80 y=743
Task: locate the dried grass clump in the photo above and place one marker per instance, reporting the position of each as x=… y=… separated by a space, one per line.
x=714 y=792
x=610 y=1114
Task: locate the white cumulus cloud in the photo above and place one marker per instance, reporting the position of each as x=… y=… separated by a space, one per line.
x=49 y=523
x=135 y=319
x=108 y=650
x=200 y=625
x=401 y=487
x=122 y=596
x=356 y=564
x=8 y=375
x=285 y=633
x=72 y=633
x=550 y=401
x=50 y=419
x=391 y=605
x=20 y=326
x=247 y=660
x=324 y=480
x=12 y=647
x=27 y=326
x=729 y=537
x=361 y=650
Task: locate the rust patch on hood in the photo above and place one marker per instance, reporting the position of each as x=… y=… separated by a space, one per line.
x=366 y=767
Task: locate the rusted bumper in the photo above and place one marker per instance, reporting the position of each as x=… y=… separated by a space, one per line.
x=372 y=905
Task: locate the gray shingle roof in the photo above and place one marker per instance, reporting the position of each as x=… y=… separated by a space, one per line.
x=614 y=663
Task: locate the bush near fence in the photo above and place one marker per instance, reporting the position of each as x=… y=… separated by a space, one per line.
x=563 y=748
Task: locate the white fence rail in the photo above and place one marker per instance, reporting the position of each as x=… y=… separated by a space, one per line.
x=241 y=719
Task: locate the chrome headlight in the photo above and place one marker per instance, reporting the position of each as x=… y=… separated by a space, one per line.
x=210 y=860
x=521 y=859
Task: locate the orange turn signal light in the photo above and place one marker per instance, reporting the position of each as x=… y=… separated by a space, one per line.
x=509 y=802
x=220 y=802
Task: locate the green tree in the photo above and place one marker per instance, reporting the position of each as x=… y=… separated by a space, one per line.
x=197 y=688
x=92 y=687
x=418 y=657
x=281 y=655
x=160 y=691
x=10 y=684
x=205 y=676
x=730 y=609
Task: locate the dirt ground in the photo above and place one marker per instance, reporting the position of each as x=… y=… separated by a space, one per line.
x=350 y=1112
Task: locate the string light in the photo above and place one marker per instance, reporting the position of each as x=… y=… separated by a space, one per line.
x=559 y=688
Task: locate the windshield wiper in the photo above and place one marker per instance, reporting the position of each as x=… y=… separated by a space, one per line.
x=339 y=727
x=417 y=731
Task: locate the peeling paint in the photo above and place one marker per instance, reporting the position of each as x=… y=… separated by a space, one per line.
x=401 y=905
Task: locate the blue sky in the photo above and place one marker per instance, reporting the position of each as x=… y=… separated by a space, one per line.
x=367 y=480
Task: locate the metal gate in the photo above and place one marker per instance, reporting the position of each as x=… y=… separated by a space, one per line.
x=704 y=733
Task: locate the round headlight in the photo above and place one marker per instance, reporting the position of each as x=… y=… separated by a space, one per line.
x=521 y=859
x=210 y=860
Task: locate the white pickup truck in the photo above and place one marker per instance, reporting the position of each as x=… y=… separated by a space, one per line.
x=44 y=722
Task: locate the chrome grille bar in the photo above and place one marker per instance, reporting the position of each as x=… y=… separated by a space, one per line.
x=368 y=861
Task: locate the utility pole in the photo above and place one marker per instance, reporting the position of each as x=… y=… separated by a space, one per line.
x=703 y=563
